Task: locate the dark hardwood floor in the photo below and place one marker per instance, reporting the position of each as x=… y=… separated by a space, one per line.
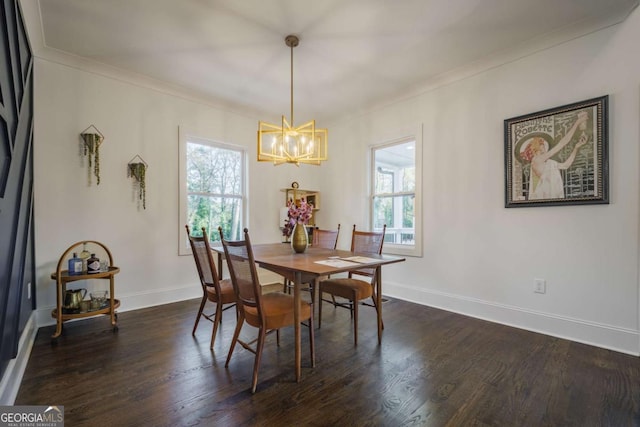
x=434 y=368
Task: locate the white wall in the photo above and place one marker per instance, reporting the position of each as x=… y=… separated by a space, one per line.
x=135 y=121
x=479 y=258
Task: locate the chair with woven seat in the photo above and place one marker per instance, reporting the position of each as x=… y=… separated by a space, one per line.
x=218 y=291
x=267 y=312
x=353 y=289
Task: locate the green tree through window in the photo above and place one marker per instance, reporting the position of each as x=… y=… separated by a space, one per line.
x=214 y=180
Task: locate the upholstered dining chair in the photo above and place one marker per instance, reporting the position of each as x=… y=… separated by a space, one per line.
x=220 y=292
x=267 y=312
x=354 y=289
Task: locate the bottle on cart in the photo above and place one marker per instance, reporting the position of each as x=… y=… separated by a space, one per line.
x=84 y=256
x=93 y=264
x=75 y=265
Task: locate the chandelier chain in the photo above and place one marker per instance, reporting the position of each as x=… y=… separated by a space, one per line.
x=292 y=45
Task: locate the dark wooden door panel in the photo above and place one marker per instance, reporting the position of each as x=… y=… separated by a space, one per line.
x=16 y=180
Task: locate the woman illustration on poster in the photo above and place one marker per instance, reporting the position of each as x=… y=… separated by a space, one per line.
x=545 y=181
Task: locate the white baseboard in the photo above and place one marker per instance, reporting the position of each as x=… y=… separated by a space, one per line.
x=610 y=337
x=600 y=335
x=135 y=301
x=151 y=298
x=10 y=384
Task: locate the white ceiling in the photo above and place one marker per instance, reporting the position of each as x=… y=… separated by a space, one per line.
x=353 y=54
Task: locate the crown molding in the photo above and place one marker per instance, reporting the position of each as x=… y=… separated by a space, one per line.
x=33 y=23
x=503 y=57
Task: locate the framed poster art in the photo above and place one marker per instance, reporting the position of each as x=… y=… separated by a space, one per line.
x=558 y=156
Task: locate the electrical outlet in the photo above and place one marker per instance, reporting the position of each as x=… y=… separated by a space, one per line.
x=539 y=286
x=29 y=290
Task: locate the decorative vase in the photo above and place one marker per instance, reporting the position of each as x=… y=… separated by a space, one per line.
x=299 y=238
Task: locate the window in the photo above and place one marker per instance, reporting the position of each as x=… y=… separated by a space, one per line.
x=395 y=198
x=212 y=189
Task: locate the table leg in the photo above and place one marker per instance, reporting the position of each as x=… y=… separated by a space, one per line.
x=296 y=321
x=379 y=302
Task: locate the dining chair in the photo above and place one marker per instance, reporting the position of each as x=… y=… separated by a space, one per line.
x=353 y=289
x=220 y=292
x=268 y=312
x=327 y=239
x=321 y=238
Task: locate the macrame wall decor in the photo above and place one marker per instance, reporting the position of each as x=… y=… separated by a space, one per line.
x=92 y=139
x=137 y=168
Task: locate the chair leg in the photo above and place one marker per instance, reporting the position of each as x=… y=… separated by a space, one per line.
x=236 y=334
x=287 y=286
x=278 y=337
x=312 y=344
x=256 y=364
x=202 y=303
x=314 y=290
x=216 y=322
x=320 y=309
x=354 y=305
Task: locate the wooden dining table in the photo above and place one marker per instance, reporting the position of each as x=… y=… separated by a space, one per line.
x=310 y=265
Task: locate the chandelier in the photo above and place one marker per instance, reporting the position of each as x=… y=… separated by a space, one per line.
x=287 y=143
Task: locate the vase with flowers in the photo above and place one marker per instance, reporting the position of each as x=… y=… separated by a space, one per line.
x=295 y=225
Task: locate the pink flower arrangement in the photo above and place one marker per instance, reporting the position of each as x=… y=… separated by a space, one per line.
x=297 y=215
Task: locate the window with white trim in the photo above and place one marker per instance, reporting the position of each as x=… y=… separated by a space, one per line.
x=212 y=189
x=395 y=195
